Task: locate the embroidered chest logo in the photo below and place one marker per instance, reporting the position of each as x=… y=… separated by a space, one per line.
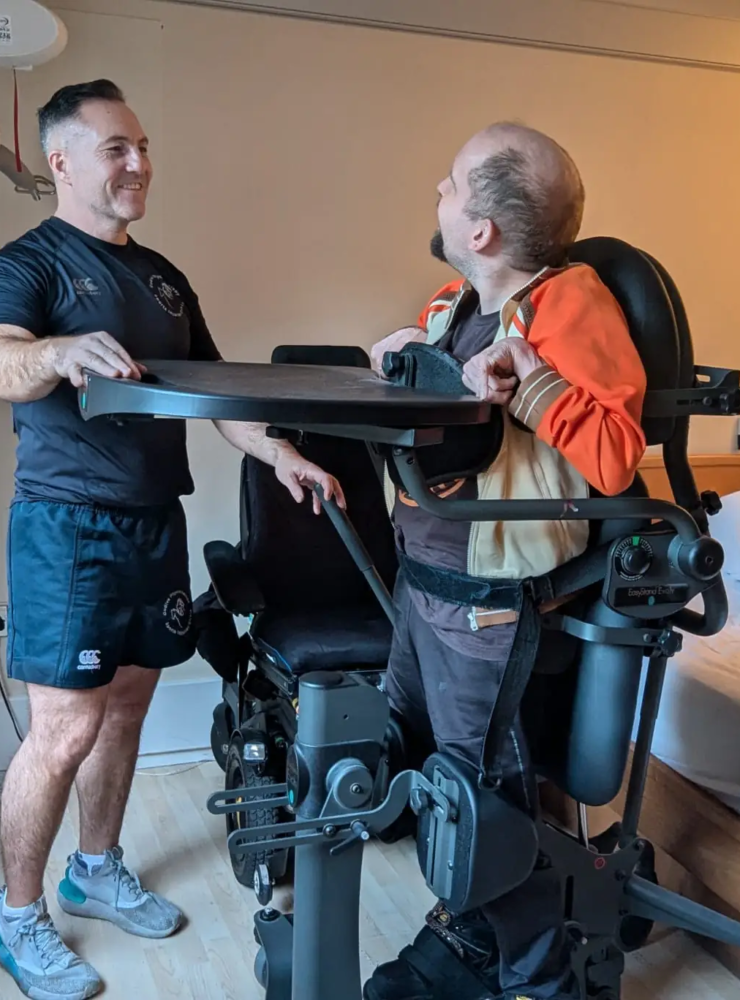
x=167 y=295
x=178 y=613
x=85 y=286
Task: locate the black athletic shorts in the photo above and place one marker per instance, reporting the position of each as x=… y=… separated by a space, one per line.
x=92 y=589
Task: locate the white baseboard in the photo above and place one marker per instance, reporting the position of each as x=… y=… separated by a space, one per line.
x=177 y=729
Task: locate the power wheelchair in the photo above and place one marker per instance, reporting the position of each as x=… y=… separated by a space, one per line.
x=626 y=597
x=312 y=593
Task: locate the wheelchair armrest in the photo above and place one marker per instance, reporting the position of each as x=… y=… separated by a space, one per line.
x=235 y=588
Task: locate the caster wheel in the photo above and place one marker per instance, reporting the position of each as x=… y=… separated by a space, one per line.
x=261 y=973
x=263 y=883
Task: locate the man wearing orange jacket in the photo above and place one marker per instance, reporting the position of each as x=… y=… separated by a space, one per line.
x=545 y=340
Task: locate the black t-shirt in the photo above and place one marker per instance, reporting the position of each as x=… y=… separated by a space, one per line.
x=57 y=281
x=420 y=534
x=472 y=333
x=445 y=543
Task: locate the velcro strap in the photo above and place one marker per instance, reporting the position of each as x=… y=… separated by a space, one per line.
x=571 y=577
x=460 y=588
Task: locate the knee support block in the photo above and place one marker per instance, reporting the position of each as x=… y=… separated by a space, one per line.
x=483 y=850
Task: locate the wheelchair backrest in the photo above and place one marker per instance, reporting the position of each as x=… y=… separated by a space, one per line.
x=297 y=557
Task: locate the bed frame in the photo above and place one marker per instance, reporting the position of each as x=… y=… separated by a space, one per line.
x=696 y=836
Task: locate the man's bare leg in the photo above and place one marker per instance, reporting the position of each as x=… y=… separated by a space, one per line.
x=97 y=883
x=64 y=728
x=104 y=780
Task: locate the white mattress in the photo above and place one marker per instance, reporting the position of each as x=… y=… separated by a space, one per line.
x=698 y=727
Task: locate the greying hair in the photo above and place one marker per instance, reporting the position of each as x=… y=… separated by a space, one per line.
x=66 y=103
x=538 y=221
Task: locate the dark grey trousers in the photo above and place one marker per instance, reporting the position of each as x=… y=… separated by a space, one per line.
x=445 y=698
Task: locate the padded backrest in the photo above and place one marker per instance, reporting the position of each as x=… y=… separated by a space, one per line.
x=678 y=467
x=296 y=556
x=637 y=286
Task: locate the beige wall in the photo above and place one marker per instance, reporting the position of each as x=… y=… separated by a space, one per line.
x=297 y=165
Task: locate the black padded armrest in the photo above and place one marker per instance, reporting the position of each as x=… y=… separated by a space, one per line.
x=235 y=588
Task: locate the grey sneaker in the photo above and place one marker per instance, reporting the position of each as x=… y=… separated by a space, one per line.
x=34 y=954
x=111 y=892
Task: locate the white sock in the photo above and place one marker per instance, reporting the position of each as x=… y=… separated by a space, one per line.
x=13 y=912
x=92 y=861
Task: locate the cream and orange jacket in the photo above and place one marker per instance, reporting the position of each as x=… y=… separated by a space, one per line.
x=581 y=410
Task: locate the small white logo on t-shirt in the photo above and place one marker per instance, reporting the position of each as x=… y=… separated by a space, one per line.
x=167 y=295
x=85 y=286
x=89 y=660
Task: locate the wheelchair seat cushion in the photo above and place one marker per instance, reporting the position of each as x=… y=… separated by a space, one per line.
x=331 y=639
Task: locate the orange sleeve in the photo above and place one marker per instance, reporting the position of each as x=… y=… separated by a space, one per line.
x=587 y=399
x=440 y=301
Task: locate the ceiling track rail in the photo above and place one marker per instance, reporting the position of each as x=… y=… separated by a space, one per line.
x=665 y=36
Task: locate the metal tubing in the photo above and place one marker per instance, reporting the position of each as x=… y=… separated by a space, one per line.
x=654 y=903
x=641 y=759
x=356 y=548
x=538 y=510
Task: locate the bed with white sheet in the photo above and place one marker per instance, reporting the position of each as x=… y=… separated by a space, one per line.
x=698 y=728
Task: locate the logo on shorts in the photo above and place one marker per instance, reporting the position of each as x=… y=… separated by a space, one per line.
x=178 y=613
x=89 y=660
x=167 y=295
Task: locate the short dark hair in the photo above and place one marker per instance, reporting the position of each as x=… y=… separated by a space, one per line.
x=65 y=104
x=538 y=224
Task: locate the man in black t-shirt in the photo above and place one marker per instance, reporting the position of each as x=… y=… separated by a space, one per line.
x=97 y=551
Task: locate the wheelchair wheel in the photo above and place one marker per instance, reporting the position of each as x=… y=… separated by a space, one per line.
x=240 y=774
x=220 y=736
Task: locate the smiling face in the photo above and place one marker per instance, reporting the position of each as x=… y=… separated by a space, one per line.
x=101 y=165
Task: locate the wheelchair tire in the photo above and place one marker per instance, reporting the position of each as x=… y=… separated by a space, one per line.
x=220 y=736
x=240 y=774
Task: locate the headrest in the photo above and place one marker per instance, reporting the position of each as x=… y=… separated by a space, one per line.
x=319 y=354
x=637 y=285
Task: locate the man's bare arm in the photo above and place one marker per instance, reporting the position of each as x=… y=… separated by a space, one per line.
x=26 y=366
x=291 y=469
x=30 y=368
x=252 y=439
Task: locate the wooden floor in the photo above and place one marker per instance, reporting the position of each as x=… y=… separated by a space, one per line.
x=178 y=848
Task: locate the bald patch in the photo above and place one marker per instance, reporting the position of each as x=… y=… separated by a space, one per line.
x=550 y=165
x=530 y=187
